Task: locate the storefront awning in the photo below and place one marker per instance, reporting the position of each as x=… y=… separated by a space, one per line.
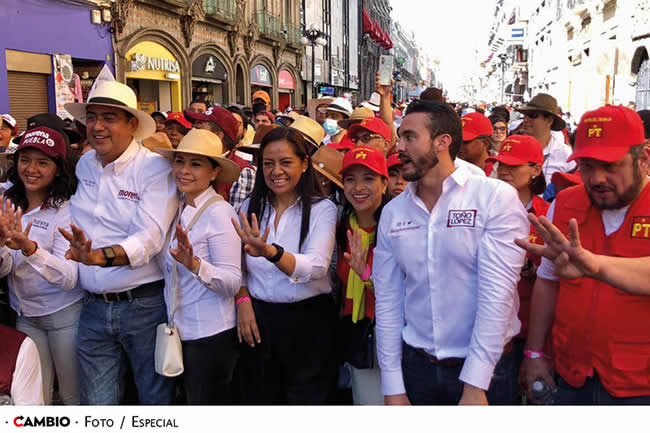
x=208 y=66
x=260 y=76
x=286 y=80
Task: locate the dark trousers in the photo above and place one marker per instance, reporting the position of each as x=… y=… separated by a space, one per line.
x=432 y=384
x=209 y=364
x=295 y=363
x=591 y=393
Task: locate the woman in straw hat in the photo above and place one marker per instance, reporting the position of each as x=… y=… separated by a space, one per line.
x=285 y=310
x=42 y=283
x=203 y=268
x=365 y=180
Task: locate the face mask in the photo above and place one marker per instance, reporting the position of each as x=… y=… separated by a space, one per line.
x=331 y=127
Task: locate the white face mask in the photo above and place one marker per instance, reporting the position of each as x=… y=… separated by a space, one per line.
x=331 y=127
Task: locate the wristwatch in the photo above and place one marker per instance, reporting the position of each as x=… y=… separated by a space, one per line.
x=276 y=258
x=109 y=255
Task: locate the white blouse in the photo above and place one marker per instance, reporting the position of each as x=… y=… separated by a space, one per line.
x=44 y=282
x=205 y=302
x=266 y=281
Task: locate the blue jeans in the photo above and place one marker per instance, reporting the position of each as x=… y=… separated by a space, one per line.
x=112 y=334
x=591 y=393
x=432 y=384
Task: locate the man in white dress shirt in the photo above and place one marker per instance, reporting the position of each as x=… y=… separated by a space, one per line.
x=445 y=271
x=122 y=210
x=20 y=369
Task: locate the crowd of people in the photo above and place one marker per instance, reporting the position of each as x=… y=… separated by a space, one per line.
x=420 y=253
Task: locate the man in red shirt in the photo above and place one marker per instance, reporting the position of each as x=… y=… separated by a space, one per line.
x=590 y=288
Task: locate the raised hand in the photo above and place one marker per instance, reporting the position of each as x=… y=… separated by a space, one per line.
x=571 y=260
x=254 y=242
x=11 y=229
x=357 y=257
x=184 y=253
x=81 y=248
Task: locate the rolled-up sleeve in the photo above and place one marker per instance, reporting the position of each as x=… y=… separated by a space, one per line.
x=314 y=262
x=221 y=272
x=156 y=209
x=499 y=263
x=388 y=280
x=53 y=266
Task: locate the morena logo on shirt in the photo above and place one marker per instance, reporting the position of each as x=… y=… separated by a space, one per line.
x=128 y=195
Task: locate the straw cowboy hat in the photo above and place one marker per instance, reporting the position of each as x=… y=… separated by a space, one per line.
x=159 y=140
x=260 y=133
x=358 y=114
x=328 y=162
x=310 y=129
x=206 y=143
x=547 y=104
x=118 y=95
x=313 y=104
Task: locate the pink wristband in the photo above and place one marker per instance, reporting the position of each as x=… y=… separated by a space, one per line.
x=534 y=354
x=366 y=274
x=243 y=299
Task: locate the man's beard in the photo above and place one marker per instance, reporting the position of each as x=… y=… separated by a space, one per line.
x=624 y=199
x=421 y=164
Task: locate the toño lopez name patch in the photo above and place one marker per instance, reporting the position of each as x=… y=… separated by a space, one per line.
x=462 y=218
x=640 y=227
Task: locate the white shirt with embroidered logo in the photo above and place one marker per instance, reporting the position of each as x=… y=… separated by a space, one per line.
x=44 y=282
x=446 y=280
x=205 y=303
x=268 y=283
x=130 y=202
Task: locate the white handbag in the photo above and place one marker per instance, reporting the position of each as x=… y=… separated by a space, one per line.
x=168 y=357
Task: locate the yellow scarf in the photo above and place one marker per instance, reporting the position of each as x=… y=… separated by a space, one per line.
x=356 y=286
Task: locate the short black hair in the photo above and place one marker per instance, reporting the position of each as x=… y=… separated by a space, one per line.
x=501 y=111
x=498 y=117
x=442 y=120
x=645 y=117
x=240 y=112
x=198 y=101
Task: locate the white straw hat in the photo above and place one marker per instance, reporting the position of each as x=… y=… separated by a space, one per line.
x=118 y=95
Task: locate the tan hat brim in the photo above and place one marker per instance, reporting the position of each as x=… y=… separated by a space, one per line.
x=229 y=170
x=146 y=124
x=336 y=179
x=558 y=123
x=346 y=123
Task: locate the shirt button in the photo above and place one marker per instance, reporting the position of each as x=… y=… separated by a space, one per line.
x=295 y=280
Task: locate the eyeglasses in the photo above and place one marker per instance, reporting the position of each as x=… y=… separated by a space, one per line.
x=500 y=129
x=366 y=138
x=533 y=115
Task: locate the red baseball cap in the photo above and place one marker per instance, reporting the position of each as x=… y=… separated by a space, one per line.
x=393 y=160
x=372 y=124
x=606 y=134
x=344 y=144
x=47 y=140
x=221 y=117
x=178 y=117
x=368 y=157
x=520 y=150
x=475 y=125
x=566 y=180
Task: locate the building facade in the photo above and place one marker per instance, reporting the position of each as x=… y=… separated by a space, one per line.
x=370 y=49
x=42 y=70
x=220 y=51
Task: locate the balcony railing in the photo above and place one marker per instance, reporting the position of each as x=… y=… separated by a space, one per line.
x=269 y=25
x=224 y=9
x=293 y=36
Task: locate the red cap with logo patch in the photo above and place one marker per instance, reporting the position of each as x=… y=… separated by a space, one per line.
x=475 y=125
x=393 y=160
x=520 y=150
x=369 y=157
x=178 y=117
x=47 y=140
x=371 y=124
x=606 y=134
x=219 y=116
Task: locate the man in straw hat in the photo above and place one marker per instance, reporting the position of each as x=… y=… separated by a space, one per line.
x=121 y=213
x=540 y=119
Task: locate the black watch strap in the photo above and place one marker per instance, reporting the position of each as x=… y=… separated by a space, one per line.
x=109 y=255
x=276 y=258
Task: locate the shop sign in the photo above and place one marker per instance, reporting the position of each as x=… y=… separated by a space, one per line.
x=208 y=66
x=140 y=62
x=285 y=80
x=64 y=83
x=260 y=76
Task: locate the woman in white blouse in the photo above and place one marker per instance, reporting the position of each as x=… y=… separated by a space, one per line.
x=207 y=257
x=42 y=283
x=285 y=310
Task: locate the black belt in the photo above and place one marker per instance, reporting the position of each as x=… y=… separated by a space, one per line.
x=454 y=362
x=148 y=289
